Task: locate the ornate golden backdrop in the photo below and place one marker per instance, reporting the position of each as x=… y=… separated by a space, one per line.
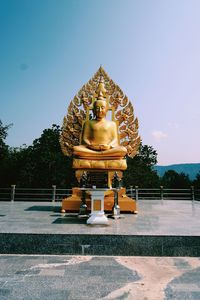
x=122 y=112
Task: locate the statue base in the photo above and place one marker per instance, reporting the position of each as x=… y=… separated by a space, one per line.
x=126 y=204
x=97 y=218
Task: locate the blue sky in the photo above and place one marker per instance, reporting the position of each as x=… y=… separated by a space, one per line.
x=151 y=49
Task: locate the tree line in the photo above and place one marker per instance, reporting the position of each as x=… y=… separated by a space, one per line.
x=43 y=164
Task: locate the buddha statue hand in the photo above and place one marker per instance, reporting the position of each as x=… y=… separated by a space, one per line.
x=100 y=147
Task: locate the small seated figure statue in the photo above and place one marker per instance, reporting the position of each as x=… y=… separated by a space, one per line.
x=100 y=136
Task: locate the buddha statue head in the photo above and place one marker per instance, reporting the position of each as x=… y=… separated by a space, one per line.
x=100 y=107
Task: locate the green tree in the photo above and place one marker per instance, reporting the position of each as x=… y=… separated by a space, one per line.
x=139 y=171
x=3 y=135
x=172 y=179
x=45 y=163
x=196 y=182
x=40 y=165
x=4 y=153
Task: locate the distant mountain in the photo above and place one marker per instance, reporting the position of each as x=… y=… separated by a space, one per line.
x=189 y=169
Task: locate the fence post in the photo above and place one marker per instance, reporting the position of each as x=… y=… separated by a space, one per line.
x=13 y=192
x=131 y=187
x=54 y=193
x=161 y=192
x=192 y=193
x=136 y=193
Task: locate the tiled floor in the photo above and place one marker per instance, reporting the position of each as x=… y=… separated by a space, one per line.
x=155 y=217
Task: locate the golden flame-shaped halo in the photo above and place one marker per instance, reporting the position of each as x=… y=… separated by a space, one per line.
x=100 y=87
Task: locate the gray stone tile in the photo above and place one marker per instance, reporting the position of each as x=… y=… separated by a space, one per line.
x=181 y=263
x=50 y=272
x=186 y=286
x=92 y=279
x=155 y=217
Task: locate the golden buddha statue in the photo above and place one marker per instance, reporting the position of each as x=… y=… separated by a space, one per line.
x=99 y=145
x=100 y=136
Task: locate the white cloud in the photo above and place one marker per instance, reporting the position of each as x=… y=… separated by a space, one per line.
x=159 y=135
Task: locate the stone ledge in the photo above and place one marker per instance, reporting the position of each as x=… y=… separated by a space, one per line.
x=79 y=244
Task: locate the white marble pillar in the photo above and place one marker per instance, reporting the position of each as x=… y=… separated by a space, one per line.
x=97 y=216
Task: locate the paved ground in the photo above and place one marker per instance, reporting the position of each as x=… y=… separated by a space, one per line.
x=155 y=217
x=58 y=277
x=86 y=277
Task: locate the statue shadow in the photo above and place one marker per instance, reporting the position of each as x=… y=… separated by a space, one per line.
x=43 y=208
x=71 y=219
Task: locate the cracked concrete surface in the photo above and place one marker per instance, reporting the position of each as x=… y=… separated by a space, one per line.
x=155 y=273
x=98 y=277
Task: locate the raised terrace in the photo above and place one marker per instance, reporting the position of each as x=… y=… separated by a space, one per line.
x=161 y=228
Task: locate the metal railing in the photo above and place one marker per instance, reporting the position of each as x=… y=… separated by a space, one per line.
x=197 y=194
x=163 y=193
x=33 y=194
x=56 y=194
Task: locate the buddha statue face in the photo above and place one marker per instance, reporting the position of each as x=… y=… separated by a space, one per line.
x=100 y=109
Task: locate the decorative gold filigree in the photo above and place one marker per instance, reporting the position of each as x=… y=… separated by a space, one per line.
x=123 y=114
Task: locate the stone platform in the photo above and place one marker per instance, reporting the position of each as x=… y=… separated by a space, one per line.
x=161 y=228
